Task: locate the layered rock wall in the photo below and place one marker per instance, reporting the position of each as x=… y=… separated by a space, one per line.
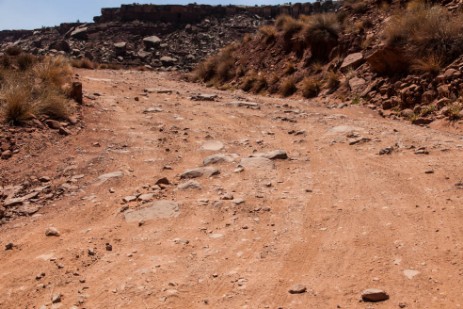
x=193 y=13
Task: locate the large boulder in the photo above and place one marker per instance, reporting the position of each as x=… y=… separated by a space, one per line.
x=352 y=61
x=388 y=61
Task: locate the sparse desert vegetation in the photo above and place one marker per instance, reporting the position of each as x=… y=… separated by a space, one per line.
x=34 y=87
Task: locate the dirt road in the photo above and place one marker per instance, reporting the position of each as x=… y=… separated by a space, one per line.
x=334 y=216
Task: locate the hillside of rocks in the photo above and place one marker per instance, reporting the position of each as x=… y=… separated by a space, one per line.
x=403 y=58
x=164 y=37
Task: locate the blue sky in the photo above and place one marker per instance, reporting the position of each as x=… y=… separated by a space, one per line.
x=31 y=14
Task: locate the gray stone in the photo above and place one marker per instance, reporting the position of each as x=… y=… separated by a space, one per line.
x=152 y=110
x=191 y=184
x=374 y=295
x=250 y=105
x=257 y=163
x=199 y=172
x=167 y=61
x=352 y=61
x=204 y=97
x=105 y=177
x=272 y=155
x=154 y=210
x=219 y=158
x=129 y=199
x=212 y=146
x=146 y=197
x=152 y=41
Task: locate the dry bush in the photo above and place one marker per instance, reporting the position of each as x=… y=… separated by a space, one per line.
x=35 y=92
x=453 y=111
x=282 y=20
x=25 y=61
x=332 y=80
x=53 y=104
x=360 y=7
x=269 y=33
x=321 y=33
x=310 y=87
x=424 y=31
x=429 y=64
x=55 y=71
x=83 y=63
x=219 y=68
x=248 y=81
x=6 y=61
x=13 y=51
x=289 y=68
x=16 y=105
x=287 y=87
x=260 y=84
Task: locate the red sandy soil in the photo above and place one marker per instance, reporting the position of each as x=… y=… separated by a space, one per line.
x=334 y=217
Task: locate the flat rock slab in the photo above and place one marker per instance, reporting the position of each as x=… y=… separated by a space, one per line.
x=157 y=209
x=152 y=110
x=105 y=177
x=297 y=289
x=251 y=105
x=257 y=163
x=212 y=146
x=199 y=172
x=220 y=158
x=204 y=97
x=410 y=273
x=272 y=155
x=189 y=185
x=374 y=295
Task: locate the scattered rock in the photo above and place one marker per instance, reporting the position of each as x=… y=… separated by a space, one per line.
x=76 y=92
x=105 y=177
x=297 y=289
x=9 y=246
x=204 y=97
x=199 y=172
x=219 y=158
x=152 y=41
x=212 y=146
x=163 y=181
x=257 y=163
x=191 y=184
x=272 y=155
x=129 y=199
x=385 y=151
x=108 y=247
x=56 y=298
x=374 y=295
x=250 y=105
x=361 y=140
x=52 y=231
x=152 y=110
x=422 y=150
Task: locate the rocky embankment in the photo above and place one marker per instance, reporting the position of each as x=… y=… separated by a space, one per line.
x=169 y=37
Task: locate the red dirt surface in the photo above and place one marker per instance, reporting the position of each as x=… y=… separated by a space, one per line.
x=335 y=216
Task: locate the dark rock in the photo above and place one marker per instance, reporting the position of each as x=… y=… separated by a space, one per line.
x=76 y=92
